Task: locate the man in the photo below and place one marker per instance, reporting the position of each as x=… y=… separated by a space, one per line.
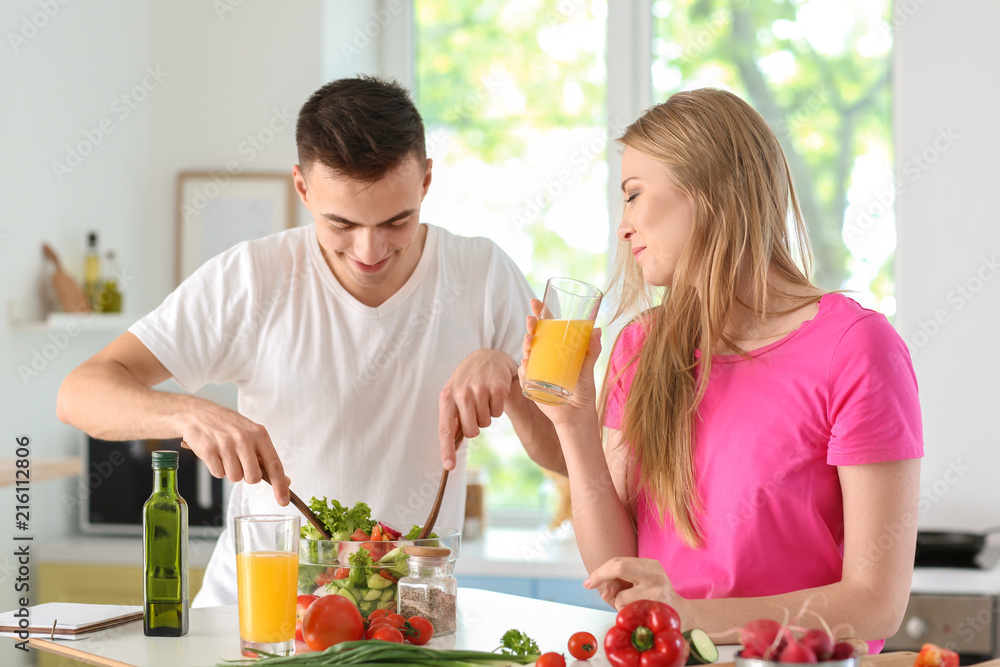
x=356 y=344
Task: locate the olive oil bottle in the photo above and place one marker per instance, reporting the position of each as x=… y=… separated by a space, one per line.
x=165 y=541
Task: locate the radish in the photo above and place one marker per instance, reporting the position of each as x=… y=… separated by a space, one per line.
x=820 y=642
x=390 y=531
x=796 y=652
x=759 y=637
x=843 y=651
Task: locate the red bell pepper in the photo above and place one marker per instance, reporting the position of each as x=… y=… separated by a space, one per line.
x=935 y=656
x=646 y=633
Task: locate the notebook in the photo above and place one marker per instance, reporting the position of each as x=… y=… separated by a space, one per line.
x=68 y=620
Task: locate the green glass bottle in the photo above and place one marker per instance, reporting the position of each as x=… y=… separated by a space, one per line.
x=165 y=541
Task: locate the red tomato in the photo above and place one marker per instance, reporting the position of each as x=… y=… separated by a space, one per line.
x=582 y=645
x=551 y=660
x=302 y=603
x=419 y=630
x=342 y=573
x=378 y=613
x=330 y=620
x=932 y=655
x=387 y=633
x=397 y=621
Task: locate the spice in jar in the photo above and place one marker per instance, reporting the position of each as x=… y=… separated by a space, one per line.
x=429 y=590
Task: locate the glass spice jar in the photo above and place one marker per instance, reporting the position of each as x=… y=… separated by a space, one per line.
x=429 y=590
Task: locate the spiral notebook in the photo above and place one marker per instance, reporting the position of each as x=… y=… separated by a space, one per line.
x=68 y=620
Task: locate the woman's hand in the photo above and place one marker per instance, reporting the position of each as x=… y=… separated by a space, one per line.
x=584 y=397
x=623 y=580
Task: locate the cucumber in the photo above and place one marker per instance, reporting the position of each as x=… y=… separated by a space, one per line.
x=372 y=594
x=367 y=605
x=377 y=581
x=355 y=593
x=388 y=595
x=390 y=556
x=347 y=594
x=703 y=650
x=391 y=604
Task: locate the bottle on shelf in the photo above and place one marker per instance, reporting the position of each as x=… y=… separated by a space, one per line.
x=92 y=271
x=165 y=541
x=110 y=298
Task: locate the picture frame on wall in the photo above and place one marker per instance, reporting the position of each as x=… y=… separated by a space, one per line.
x=216 y=210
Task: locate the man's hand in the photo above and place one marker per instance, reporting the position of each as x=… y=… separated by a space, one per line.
x=473 y=396
x=234 y=447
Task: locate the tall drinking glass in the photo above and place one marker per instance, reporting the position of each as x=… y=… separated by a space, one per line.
x=569 y=309
x=267 y=572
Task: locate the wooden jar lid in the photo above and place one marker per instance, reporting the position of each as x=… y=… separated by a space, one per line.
x=427 y=552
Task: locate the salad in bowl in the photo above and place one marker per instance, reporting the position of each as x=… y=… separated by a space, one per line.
x=364 y=559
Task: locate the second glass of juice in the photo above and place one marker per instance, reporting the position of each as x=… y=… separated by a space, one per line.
x=267 y=572
x=562 y=335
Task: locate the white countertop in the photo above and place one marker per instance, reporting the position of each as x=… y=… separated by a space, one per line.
x=483 y=617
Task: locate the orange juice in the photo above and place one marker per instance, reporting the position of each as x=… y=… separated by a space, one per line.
x=267 y=583
x=557 y=353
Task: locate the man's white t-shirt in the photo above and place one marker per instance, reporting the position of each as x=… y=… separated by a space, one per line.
x=348 y=393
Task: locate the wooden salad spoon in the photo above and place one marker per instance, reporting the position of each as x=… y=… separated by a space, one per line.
x=432 y=517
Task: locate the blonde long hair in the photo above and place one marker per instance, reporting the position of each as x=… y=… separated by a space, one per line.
x=747 y=229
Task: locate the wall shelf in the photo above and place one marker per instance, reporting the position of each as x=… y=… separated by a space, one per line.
x=74 y=322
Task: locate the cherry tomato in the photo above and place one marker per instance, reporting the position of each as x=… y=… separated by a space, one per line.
x=397 y=621
x=551 y=659
x=387 y=633
x=302 y=603
x=379 y=623
x=330 y=620
x=582 y=645
x=378 y=613
x=419 y=630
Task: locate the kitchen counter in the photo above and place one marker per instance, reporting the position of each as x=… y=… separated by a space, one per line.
x=483 y=617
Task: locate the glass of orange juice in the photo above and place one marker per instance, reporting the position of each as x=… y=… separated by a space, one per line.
x=569 y=309
x=267 y=573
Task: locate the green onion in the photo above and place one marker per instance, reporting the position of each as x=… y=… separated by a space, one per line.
x=363 y=653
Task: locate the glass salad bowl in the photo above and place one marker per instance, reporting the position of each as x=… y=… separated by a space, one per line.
x=364 y=572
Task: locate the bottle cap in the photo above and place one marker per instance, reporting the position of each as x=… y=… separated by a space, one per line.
x=92 y=239
x=165 y=458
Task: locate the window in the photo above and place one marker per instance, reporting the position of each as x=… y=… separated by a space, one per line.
x=513 y=99
x=515 y=96
x=819 y=72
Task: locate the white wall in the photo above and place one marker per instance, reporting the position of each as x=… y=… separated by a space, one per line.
x=220 y=76
x=947 y=143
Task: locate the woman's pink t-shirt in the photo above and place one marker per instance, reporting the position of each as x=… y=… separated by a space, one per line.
x=771 y=431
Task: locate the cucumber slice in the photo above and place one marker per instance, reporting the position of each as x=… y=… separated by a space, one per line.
x=347 y=594
x=377 y=581
x=387 y=595
x=390 y=556
x=372 y=594
x=391 y=604
x=703 y=649
x=367 y=605
x=355 y=593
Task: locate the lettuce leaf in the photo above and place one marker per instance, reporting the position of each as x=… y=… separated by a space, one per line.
x=340 y=521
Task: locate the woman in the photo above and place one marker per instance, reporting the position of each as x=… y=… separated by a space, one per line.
x=788 y=475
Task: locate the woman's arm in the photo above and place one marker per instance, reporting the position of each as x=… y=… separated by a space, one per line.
x=880 y=526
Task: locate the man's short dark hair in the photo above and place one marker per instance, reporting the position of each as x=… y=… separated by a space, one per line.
x=360 y=128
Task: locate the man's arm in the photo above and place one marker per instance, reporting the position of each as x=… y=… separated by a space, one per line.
x=110 y=397
x=483 y=387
